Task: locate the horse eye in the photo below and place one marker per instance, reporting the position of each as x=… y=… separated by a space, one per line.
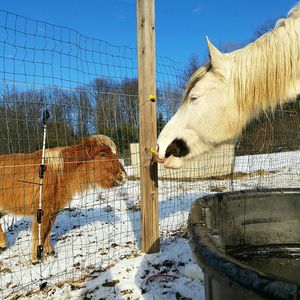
x=194 y=97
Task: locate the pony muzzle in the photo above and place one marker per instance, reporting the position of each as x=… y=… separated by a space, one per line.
x=121 y=178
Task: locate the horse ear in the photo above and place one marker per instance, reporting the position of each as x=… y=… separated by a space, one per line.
x=216 y=56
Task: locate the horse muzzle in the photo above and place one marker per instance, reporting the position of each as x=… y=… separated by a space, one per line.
x=172 y=156
x=178 y=148
x=170 y=162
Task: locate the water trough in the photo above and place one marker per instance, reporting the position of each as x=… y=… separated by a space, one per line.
x=248 y=244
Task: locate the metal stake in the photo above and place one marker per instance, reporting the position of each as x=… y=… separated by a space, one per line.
x=40 y=212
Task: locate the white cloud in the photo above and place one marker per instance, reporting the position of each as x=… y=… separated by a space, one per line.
x=197 y=9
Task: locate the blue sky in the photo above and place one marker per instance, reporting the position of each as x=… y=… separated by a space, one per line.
x=181 y=26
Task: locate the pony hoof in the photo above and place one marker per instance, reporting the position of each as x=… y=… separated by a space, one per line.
x=35 y=261
x=3 y=248
x=50 y=253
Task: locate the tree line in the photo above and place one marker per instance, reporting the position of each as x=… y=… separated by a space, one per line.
x=103 y=107
x=110 y=107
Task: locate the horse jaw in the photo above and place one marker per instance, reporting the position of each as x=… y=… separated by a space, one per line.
x=173 y=162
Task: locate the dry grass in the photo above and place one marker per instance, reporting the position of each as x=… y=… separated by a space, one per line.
x=236 y=175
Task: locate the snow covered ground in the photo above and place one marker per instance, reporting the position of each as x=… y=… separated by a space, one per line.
x=170 y=274
x=96 y=239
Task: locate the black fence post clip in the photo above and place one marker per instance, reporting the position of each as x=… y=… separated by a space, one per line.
x=152 y=98
x=40 y=250
x=46 y=116
x=42 y=171
x=39 y=215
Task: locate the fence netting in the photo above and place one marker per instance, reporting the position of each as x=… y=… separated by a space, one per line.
x=89 y=87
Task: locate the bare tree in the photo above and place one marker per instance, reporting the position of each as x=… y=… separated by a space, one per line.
x=192 y=66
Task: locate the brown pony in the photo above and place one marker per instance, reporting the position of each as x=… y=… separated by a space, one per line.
x=69 y=170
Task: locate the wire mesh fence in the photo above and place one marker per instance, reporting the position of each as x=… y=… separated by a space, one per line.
x=90 y=88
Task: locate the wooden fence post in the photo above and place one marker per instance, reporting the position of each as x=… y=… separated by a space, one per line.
x=147 y=124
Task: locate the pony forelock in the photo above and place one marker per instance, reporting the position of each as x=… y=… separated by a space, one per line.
x=104 y=140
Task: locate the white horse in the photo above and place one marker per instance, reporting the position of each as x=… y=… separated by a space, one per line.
x=224 y=95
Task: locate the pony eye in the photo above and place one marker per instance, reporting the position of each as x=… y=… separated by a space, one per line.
x=194 y=97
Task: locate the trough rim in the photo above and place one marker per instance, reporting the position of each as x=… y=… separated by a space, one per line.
x=219 y=265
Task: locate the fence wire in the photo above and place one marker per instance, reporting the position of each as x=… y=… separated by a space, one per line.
x=89 y=88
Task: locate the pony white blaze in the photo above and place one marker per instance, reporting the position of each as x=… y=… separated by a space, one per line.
x=224 y=95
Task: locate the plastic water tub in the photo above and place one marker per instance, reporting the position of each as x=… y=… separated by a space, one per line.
x=248 y=244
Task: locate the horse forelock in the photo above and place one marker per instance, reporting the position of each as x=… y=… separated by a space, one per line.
x=198 y=75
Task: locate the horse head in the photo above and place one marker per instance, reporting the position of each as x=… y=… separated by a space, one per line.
x=233 y=88
x=207 y=116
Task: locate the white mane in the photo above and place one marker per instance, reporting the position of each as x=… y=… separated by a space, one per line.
x=295 y=11
x=265 y=71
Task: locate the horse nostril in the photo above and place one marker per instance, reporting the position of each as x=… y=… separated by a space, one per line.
x=177 y=148
x=171 y=150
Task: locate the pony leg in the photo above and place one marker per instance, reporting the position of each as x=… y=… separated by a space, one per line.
x=46 y=227
x=2 y=239
x=35 y=242
x=48 y=249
